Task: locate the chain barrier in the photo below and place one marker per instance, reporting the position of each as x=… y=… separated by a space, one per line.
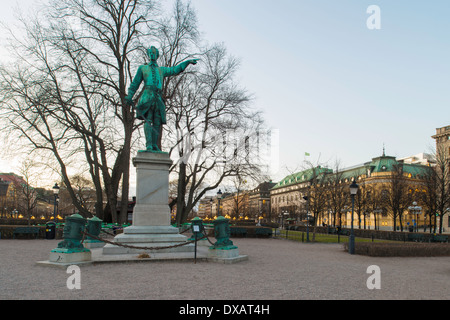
x=141 y=248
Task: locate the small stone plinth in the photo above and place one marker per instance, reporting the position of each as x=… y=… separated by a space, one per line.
x=135 y=237
x=69 y=257
x=227 y=256
x=92 y=244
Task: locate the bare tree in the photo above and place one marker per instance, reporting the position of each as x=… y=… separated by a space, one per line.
x=314 y=197
x=28 y=194
x=317 y=195
x=362 y=204
x=239 y=196
x=437 y=183
x=337 y=194
x=430 y=196
x=65 y=98
x=397 y=197
x=209 y=120
x=65 y=94
x=374 y=203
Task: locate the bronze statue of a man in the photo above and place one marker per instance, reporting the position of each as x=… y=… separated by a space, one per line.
x=151 y=107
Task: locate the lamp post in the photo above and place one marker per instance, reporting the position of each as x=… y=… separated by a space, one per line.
x=285 y=222
x=415 y=209
x=307 y=217
x=351 y=241
x=219 y=196
x=210 y=211
x=285 y=217
x=55 y=192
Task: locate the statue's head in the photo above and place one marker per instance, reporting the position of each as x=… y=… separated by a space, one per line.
x=153 y=53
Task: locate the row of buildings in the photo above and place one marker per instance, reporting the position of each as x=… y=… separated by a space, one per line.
x=20 y=200
x=393 y=194
x=388 y=187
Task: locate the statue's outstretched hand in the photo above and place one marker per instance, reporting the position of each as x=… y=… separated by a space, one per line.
x=194 y=61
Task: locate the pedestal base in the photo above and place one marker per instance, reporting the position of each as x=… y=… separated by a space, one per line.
x=225 y=256
x=151 y=231
x=70 y=258
x=92 y=244
x=150 y=239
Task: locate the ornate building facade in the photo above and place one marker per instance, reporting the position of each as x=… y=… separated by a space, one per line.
x=387 y=187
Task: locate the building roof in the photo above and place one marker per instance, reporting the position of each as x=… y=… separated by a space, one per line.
x=265 y=186
x=385 y=164
x=378 y=164
x=12 y=177
x=302 y=176
x=7 y=178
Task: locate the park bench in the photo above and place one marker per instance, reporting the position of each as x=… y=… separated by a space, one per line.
x=26 y=230
x=415 y=237
x=439 y=238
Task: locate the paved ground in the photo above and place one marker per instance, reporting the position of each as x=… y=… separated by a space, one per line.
x=275 y=270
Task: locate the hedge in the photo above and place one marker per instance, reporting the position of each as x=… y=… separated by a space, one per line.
x=250 y=231
x=7 y=232
x=375 y=249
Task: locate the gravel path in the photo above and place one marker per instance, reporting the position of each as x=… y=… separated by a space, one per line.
x=275 y=270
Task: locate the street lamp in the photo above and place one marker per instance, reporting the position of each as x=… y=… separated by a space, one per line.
x=351 y=241
x=285 y=217
x=307 y=217
x=55 y=192
x=210 y=211
x=219 y=196
x=415 y=209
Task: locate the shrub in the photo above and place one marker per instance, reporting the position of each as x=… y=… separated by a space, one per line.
x=401 y=249
x=250 y=231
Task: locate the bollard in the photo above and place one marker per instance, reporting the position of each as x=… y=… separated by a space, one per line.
x=222 y=234
x=72 y=235
x=71 y=250
x=94 y=226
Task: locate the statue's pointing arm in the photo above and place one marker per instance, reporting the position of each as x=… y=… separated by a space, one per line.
x=134 y=86
x=179 y=68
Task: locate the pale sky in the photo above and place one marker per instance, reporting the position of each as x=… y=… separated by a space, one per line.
x=331 y=86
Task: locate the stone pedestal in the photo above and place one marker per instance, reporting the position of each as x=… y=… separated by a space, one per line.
x=227 y=256
x=151 y=215
x=69 y=257
x=92 y=244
